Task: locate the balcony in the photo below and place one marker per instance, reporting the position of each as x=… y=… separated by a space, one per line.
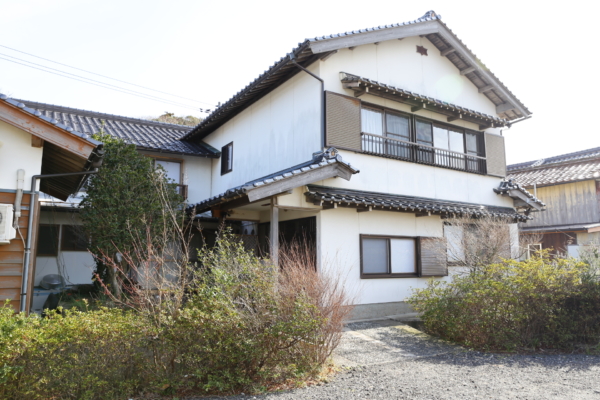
x=422 y=154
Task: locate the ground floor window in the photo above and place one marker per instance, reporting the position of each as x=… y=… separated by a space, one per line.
x=388 y=256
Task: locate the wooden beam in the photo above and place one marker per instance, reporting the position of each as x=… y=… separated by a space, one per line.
x=37 y=141
x=369 y=37
x=449 y=50
x=311 y=176
x=467 y=70
x=450 y=119
x=325 y=56
x=29 y=123
x=504 y=107
x=485 y=126
x=274 y=234
x=364 y=209
x=419 y=107
x=486 y=89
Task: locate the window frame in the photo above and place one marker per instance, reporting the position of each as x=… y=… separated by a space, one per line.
x=390 y=274
x=413 y=129
x=224 y=167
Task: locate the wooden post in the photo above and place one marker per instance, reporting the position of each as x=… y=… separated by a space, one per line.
x=274 y=235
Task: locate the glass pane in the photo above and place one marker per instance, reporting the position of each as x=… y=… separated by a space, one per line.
x=397 y=126
x=372 y=121
x=73 y=238
x=424 y=135
x=454 y=240
x=48 y=240
x=472 y=143
x=456 y=141
x=375 y=256
x=440 y=138
x=172 y=169
x=404 y=259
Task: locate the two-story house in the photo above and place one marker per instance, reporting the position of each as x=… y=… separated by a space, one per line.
x=62 y=248
x=37 y=153
x=364 y=142
x=570 y=185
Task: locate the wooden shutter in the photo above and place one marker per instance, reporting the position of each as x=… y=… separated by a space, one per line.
x=432 y=256
x=342 y=121
x=495 y=155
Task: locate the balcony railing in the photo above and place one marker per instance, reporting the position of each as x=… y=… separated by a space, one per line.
x=423 y=154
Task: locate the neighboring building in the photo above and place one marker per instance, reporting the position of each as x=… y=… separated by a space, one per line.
x=412 y=121
x=570 y=185
x=32 y=144
x=61 y=248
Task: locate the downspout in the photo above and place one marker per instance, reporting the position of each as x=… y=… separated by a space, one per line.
x=32 y=208
x=19 y=197
x=292 y=58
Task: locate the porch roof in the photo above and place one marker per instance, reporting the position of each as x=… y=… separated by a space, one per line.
x=522 y=197
x=323 y=165
x=330 y=197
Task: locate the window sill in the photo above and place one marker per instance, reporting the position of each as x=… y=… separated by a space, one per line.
x=388 y=276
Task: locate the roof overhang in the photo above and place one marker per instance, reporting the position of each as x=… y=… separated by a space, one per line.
x=454 y=112
x=64 y=150
x=586 y=228
x=363 y=201
x=522 y=198
x=508 y=106
x=324 y=165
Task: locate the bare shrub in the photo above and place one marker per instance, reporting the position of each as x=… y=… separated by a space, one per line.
x=474 y=242
x=327 y=291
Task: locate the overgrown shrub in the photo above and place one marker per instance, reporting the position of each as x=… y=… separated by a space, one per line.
x=515 y=305
x=244 y=325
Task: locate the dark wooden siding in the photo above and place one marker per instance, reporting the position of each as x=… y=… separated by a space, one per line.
x=567 y=204
x=11 y=256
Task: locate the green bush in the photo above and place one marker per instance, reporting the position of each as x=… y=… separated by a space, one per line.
x=245 y=325
x=515 y=305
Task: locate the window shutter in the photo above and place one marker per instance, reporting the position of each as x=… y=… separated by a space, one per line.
x=495 y=155
x=342 y=121
x=432 y=257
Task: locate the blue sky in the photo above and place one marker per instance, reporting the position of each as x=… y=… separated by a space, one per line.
x=206 y=51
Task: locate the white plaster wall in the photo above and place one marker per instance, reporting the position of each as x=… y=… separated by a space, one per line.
x=16 y=153
x=339 y=249
x=396 y=62
x=379 y=174
x=76 y=267
x=280 y=130
x=196 y=174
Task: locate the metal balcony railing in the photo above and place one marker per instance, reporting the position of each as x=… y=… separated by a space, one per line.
x=422 y=154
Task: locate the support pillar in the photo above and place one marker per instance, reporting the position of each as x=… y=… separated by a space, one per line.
x=274 y=234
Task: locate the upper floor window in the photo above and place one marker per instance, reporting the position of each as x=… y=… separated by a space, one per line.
x=412 y=138
x=227 y=158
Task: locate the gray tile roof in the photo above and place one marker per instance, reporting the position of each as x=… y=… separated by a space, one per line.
x=146 y=135
x=282 y=70
x=57 y=122
x=571 y=167
x=508 y=185
x=432 y=102
x=393 y=202
x=319 y=160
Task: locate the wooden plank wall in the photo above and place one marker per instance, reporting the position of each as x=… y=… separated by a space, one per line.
x=11 y=255
x=570 y=203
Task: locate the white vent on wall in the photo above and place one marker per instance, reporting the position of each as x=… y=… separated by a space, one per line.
x=7 y=232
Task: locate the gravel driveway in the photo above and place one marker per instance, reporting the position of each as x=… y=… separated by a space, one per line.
x=390 y=360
